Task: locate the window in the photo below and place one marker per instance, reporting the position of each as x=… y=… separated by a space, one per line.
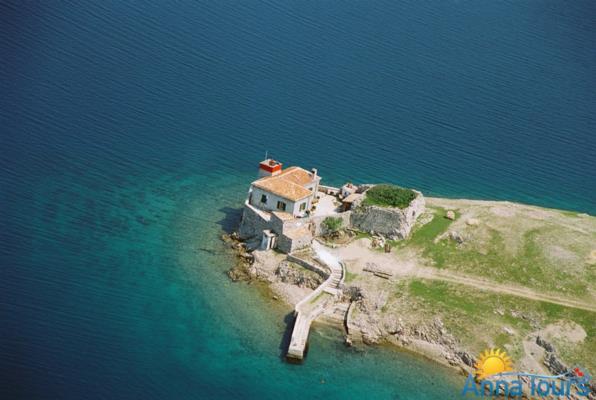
x=263 y=198
x=281 y=206
x=302 y=206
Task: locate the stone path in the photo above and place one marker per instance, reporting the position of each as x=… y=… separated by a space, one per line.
x=313 y=305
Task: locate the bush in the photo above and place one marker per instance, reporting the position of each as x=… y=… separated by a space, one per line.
x=332 y=224
x=389 y=196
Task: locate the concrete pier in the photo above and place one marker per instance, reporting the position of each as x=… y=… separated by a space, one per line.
x=313 y=305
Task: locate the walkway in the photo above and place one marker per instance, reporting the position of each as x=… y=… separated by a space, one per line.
x=326 y=206
x=360 y=257
x=518 y=291
x=313 y=305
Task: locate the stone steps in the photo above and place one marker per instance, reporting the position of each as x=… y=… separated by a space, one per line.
x=304 y=317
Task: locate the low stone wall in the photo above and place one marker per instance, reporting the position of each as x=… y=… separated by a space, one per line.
x=319 y=270
x=392 y=222
x=329 y=190
x=289 y=243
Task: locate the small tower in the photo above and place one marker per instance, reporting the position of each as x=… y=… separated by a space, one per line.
x=269 y=167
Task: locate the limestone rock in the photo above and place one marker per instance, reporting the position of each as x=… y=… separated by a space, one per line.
x=472 y=222
x=295 y=276
x=508 y=330
x=235 y=274
x=246 y=256
x=377 y=241
x=540 y=341
x=393 y=326
x=466 y=358
x=450 y=215
x=353 y=293
x=554 y=364
x=456 y=237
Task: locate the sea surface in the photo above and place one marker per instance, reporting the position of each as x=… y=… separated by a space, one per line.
x=129 y=132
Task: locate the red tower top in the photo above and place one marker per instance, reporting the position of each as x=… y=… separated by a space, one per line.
x=269 y=167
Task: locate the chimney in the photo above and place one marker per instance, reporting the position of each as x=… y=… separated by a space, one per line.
x=314 y=172
x=269 y=167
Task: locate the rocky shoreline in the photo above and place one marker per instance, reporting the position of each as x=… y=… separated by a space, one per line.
x=358 y=314
x=363 y=322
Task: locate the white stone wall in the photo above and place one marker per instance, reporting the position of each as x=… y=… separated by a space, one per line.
x=296 y=209
x=313 y=187
x=272 y=199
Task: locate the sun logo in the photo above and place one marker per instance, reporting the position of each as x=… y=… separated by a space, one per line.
x=492 y=361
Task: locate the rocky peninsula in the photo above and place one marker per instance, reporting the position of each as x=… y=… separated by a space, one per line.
x=441 y=277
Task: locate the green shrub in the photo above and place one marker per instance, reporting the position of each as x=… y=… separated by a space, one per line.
x=332 y=224
x=389 y=196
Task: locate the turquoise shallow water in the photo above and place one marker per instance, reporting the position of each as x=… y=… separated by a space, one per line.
x=137 y=303
x=129 y=134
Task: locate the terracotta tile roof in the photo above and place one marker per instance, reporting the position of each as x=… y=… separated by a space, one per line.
x=297 y=175
x=288 y=184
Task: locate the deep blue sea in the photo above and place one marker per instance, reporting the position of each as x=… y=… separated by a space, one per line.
x=129 y=132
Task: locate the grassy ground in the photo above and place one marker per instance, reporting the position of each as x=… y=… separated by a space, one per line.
x=350 y=277
x=478 y=318
x=362 y=235
x=550 y=252
x=424 y=235
x=545 y=252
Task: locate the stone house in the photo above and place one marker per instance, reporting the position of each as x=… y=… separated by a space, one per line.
x=277 y=212
x=292 y=190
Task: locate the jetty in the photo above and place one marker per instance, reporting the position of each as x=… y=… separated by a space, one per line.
x=313 y=305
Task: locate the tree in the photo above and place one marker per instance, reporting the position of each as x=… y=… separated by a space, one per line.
x=332 y=224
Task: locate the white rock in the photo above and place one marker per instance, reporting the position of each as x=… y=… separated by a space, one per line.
x=508 y=330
